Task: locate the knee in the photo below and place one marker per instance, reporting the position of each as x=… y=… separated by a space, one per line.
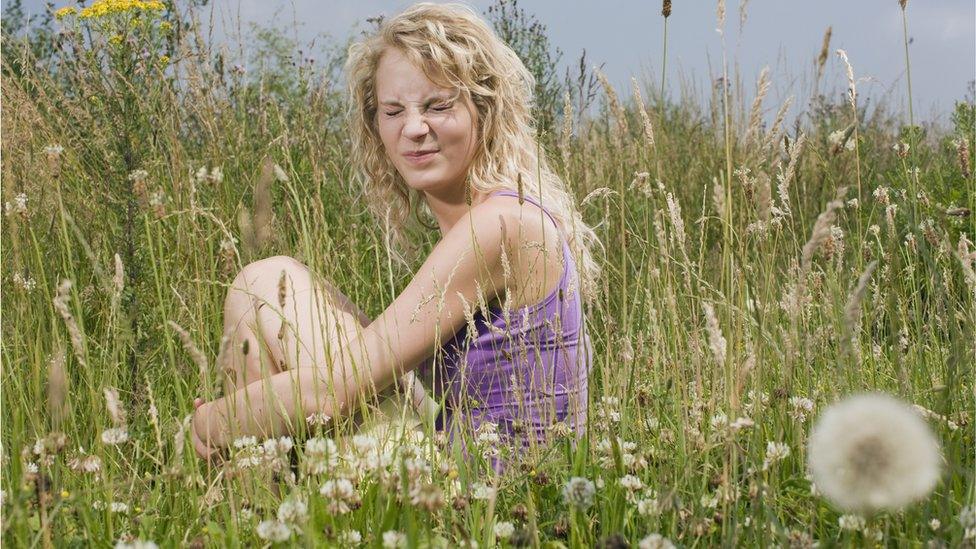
x=260 y=278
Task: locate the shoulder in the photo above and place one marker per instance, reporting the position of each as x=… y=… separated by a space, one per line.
x=523 y=223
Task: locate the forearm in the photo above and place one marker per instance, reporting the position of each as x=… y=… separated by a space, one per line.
x=273 y=406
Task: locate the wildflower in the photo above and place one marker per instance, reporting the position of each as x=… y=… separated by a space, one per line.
x=293 y=511
x=61 y=14
x=164 y=60
x=853 y=523
x=118 y=507
x=27 y=284
x=427 y=496
x=504 y=530
x=165 y=26
x=655 y=541
x=350 y=537
x=115 y=436
x=273 y=531
x=840 y=139
x=85 y=464
x=935 y=524
x=901 y=149
x=882 y=195
x=578 y=492
x=244 y=442
x=18 y=207
x=775 y=451
x=321 y=455
x=340 y=495
x=740 y=424
x=136 y=544
x=393 y=539
x=967 y=517
x=480 y=490
x=317 y=418
x=631 y=483
x=106 y=8
x=801 y=407
x=873 y=452
x=648 y=507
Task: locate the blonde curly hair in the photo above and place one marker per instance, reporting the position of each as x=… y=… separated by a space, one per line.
x=457 y=49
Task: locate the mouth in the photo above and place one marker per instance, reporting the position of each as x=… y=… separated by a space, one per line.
x=420 y=157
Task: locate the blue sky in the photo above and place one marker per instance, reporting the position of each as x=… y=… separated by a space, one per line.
x=786 y=35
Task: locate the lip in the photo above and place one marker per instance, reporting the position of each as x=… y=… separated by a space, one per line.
x=420 y=158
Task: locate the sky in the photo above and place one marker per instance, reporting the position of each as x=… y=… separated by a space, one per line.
x=626 y=36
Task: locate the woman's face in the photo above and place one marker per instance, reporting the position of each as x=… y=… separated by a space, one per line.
x=415 y=115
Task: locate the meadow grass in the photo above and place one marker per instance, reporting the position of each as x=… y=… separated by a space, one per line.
x=753 y=274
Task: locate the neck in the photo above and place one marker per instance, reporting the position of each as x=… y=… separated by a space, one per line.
x=449 y=207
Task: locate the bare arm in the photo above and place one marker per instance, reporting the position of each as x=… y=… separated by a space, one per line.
x=429 y=311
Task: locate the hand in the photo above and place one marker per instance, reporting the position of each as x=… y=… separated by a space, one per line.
x=199 y=424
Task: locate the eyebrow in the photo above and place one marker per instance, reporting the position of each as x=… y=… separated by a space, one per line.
x=428 y=101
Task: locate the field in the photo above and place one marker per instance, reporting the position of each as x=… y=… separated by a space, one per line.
x=757 y=268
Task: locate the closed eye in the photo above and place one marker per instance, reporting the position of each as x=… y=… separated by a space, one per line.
x=393 y=113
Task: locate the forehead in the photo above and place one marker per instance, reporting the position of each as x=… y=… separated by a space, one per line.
x=397 y=78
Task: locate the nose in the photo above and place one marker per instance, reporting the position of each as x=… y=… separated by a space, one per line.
x=415 y=126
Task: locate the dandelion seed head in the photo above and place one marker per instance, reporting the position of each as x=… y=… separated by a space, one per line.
x=504 y=530
x=871 y=452
x=655 y=541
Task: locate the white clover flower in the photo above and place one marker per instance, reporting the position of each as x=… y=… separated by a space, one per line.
x=115 y=436
x=118 y=507
x=53 y=150
x=648 y=507
x=393 y=539
x=201 y=174
x=317 y=418
x=872 y=452
x=321 y=455
x=631 y=483
x=273 y=531
x=350 y=537
x=854 y=523
x=26 y=284
x=578 y=492
x=138 y=175
x=136 y=544
x=775 y=451
x=935 y=524
x=292 y=511
x=340 y=495
x=216 y=174
x=480 y=490
x=245 y=442
x=85 y=464
x=655 y=541
x=741 y=423
x=719 y=421
x=801 y=407
x=837 y=141
x=967 y=517
x=504 y=530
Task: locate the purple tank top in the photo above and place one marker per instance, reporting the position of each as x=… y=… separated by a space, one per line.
x=523 y=375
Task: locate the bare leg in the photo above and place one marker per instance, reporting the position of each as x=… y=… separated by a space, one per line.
x=314 y=317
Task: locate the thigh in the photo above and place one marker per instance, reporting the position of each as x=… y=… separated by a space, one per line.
x=302 y=322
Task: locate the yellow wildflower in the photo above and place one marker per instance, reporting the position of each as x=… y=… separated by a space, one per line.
x=115 y=39
x=163 y=60
x=65 y=494
x=103 y=8
x=165 y=26
x=66 y=11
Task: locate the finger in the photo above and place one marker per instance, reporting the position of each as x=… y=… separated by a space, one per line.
x=197 y=402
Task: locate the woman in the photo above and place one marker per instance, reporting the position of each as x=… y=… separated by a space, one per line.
x=440 y=119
